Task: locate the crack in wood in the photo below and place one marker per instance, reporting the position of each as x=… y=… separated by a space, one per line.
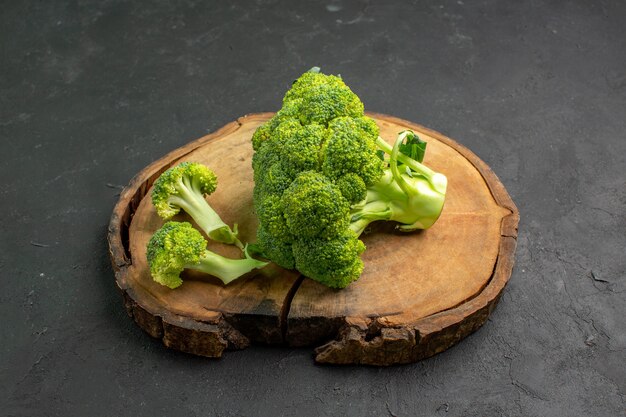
x=286 y=307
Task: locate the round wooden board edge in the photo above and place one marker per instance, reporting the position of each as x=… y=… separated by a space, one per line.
x=378 y=341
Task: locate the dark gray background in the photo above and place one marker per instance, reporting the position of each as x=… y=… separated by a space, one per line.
x=93 y=91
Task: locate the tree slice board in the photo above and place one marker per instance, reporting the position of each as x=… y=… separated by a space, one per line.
x=419 y=294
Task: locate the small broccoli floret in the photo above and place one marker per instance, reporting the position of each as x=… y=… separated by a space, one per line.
x=263 y=159
x=177 y=246
x=275 y=180
x=414 y=198
x=325 y=102
x=334 y=263
x=184 y=187
x=261 y=135
x=368 y=126
x=314 y=207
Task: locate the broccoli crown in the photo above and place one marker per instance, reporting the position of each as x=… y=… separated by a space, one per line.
x=312 y=160
x=177 y=182
x=322 y=174
x=171 y=249
x=299 y=138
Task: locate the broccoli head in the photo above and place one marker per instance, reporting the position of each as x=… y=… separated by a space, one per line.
x=177 y=246
x=321 y=177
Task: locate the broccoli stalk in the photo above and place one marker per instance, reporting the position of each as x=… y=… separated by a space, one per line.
x=226 y=269
x=191 y=199
x=177 y=246
x=413 y=198
x=184 y=187
x=438 y=181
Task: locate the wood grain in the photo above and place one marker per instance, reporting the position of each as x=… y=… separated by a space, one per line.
x=420 y=293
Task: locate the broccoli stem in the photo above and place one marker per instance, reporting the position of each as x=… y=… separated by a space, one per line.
x=192 y=201
x=369 y=212
x=414 y=201
x=223 y=268
x=438 y=181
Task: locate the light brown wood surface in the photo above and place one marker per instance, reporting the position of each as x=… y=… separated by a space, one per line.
x=419 y=293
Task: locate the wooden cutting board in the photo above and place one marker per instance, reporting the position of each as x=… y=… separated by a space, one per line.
x=419 y=294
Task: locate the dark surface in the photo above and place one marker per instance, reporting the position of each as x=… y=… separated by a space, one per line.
x=91 y=92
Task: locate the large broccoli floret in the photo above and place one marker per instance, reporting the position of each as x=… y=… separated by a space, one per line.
x=350 y=148
x=333 y=262
x=320 y=98
x=314 y=98
x=177 y=246
x=320 y=180
x=184 y=187
x=300 y=150
x=314 y=207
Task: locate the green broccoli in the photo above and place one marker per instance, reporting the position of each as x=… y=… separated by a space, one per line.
x=177 y=246
x=320 y=180
x=184 y=187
